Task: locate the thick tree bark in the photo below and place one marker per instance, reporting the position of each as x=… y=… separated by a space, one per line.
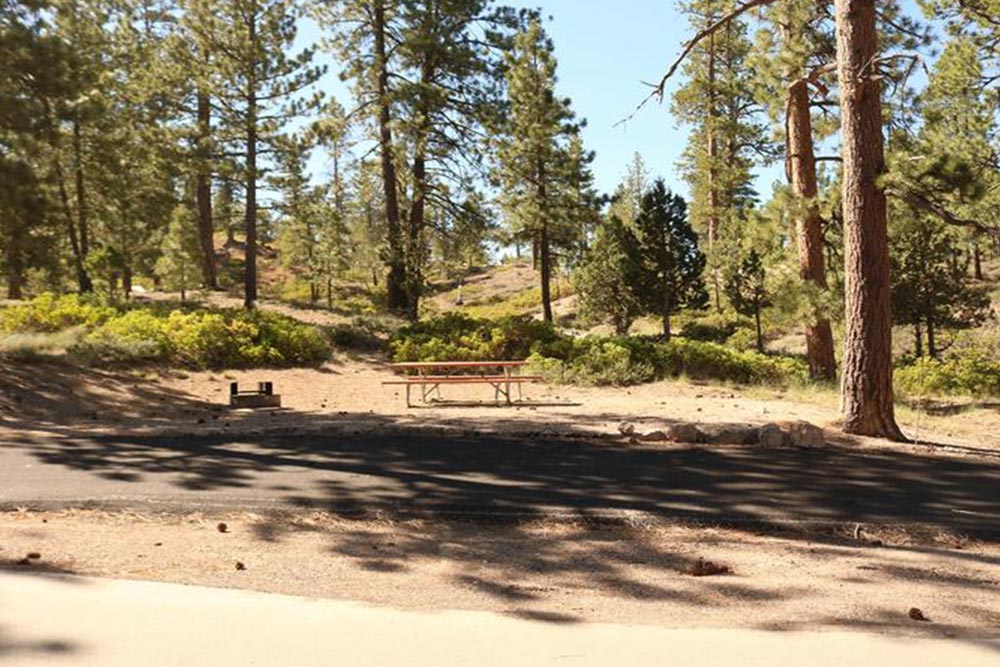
x=203 y=195
x=867 y=392
x=918 y=340
x=977 y=261
x=396 y=280
x=801 y=163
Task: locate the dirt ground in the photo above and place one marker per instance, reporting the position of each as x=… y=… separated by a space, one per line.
x=348 y=394
x=560 y=573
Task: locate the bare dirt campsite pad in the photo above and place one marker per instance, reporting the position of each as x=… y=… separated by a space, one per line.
x=552 y=572
x=348 y=394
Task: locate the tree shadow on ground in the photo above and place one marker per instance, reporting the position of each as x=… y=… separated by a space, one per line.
x=560 y=573
x=371 y=468
x=12 y=648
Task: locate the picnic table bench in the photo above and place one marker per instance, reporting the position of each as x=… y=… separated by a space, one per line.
x=430 y=375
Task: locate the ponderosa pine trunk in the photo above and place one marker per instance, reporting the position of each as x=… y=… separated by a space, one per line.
x=977 y=261
x=665 y=317
x=84 y=283
x=415 y=249
x=543 y=242
x=713 y=185
x=14 y=261
x=545 y=259
x=801 y=161
x=760 y=330
x=250 y=218
x=82 y=219
x=931 y=341
x=203 y=195
x=396 y=280
x=867 y=392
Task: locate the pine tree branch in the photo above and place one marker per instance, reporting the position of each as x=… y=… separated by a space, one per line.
x=926 y=204
x=711 y=29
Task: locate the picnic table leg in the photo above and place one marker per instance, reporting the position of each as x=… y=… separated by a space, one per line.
x=408 y=404
x=506 y=375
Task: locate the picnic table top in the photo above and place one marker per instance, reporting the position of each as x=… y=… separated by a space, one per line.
x=457 y=364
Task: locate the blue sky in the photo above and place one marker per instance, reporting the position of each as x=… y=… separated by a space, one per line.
x=606 y=50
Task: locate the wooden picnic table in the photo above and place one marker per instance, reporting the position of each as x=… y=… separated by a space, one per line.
x=430 y=375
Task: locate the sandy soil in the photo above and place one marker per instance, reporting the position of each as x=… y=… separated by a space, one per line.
x=558 y=573
x=348 y=394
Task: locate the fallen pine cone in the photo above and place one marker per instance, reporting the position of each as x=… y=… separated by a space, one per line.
x=917 y=615
x=222 y=527
x=706 y=568
x=34 y=555
x=240 y=566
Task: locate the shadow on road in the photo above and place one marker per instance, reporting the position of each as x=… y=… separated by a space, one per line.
x=376 y=471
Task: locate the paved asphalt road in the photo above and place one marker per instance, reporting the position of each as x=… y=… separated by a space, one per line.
x=423 y=474
x=80 y=622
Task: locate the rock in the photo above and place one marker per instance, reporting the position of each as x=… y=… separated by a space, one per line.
x=917 y=615
x=804 y=434
x=770 y=435
x=729 y=434
x=684 y=432
x=626 y=428
x=706 y=568
x=654 y=436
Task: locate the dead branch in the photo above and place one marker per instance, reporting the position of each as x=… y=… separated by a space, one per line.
x=711 y=29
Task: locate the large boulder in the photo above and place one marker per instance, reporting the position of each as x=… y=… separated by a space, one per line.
x=684 y=432
x=729 y=434
x=804 y=434
x=770 y=435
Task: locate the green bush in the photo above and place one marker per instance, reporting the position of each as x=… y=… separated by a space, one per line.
x=967 y=374
x=627 y=361
x=366 y=333
x=134 y=336
x=714 y=327
x=598 y=361
x=48 y=313
x=592 y=360
x=205 y=339
x=456 y=337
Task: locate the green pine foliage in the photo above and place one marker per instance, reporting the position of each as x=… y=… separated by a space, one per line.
x=747 y=291
x=609 y=276
x=671 y=279
x=177 y=266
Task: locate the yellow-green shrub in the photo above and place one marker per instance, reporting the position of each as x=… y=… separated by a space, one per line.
x=48 y=313
x=969 y=374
